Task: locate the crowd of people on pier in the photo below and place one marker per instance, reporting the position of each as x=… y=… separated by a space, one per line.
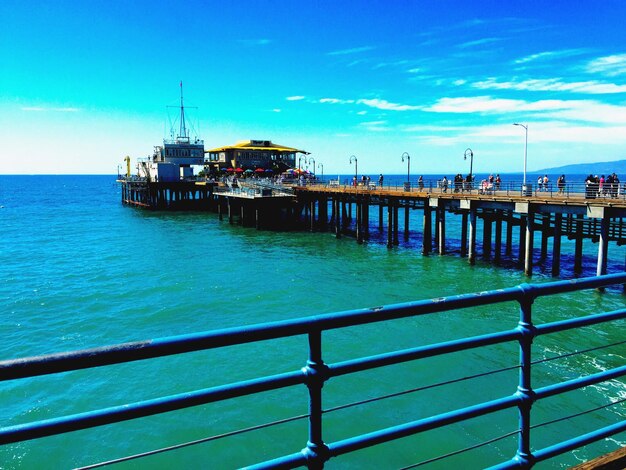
x=602 y=187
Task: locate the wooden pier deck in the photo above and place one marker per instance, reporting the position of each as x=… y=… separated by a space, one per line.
x=508 y=218
x=552 y=215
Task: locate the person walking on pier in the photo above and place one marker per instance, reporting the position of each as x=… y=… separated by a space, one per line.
x=560 y=184
x=420 y=183
x=444 y=184
x=540 y=184
x=380 y=180
x=545 y=182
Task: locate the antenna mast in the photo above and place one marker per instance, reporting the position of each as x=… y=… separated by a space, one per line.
x=183 y=128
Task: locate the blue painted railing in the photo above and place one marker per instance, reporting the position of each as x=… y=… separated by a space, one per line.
x=316 y=373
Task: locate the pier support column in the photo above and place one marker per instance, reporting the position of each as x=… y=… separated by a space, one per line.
x=487 y=224
x=498 y=241
x=219 y=209
x=522 y=239
x=427 y=234
x=406 y=220
x=312 y=220
x=528 y=252
x=390 y=225
x=366 y=217
x=359 y=221
x=396 y=224
x=508 y=248
x=230 y=211
x=381 y=215
x=603 y=245
x=556 y=244
x=471 y=255
x=464 y=215
x=545 y=234
x=441 y=242
x=578 y=247
x=338 y=221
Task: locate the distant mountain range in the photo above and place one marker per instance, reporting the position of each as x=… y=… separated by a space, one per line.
x=596 y=168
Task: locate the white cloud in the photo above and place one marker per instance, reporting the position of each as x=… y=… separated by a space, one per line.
x=335 y=101
x=476 y=104
x=295 y=98
x=543 y=132
x=354 y=50
x=276 y=110
x=572 y=110
x=546 y=55
x=386 y=105
x=478 y=42
x=375 y=126
x=611 y=65
x=552 y=84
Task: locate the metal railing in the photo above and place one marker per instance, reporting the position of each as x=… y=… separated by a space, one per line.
x=505 y=188
x=316 y=373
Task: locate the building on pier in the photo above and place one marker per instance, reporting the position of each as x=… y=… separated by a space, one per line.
x=253 y=154
x=173 y=161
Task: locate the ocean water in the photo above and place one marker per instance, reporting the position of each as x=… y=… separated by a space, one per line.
x=79 y=270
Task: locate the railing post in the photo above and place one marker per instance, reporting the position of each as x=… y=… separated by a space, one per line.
x=524 y=389
x=316 y=451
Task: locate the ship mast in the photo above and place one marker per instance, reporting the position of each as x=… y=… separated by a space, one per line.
x=183 y=129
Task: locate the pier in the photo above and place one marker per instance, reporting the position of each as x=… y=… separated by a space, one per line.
x=511 y=224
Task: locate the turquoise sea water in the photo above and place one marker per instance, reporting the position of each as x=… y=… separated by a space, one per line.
x=79 y=270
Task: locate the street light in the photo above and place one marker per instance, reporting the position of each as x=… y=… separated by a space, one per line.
x=320 y=165
x=311 y=159
x=408 y=165
x=356 y=166
x=300 y=158
x=525 y=153
x=471 y=154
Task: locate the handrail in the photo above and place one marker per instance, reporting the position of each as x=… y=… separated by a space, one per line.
x=316 y=372
x=578 y=189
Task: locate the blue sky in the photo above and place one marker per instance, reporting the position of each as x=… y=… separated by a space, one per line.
x=83 y=84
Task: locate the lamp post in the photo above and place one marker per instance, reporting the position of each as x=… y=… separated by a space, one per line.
x=320 y=165
x=356 y=169
x=525 y=126
x=300 y=158
x=408 y=167
x=471 y=154
x=311 y=159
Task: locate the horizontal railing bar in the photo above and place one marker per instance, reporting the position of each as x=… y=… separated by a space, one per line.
x=297 y=459
x=431 y=350
x=126 y=352
x=396 y=432
x=572 y=323
x=115 y=414
x=425 y=424
x=579 y=441
x=580 y=382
